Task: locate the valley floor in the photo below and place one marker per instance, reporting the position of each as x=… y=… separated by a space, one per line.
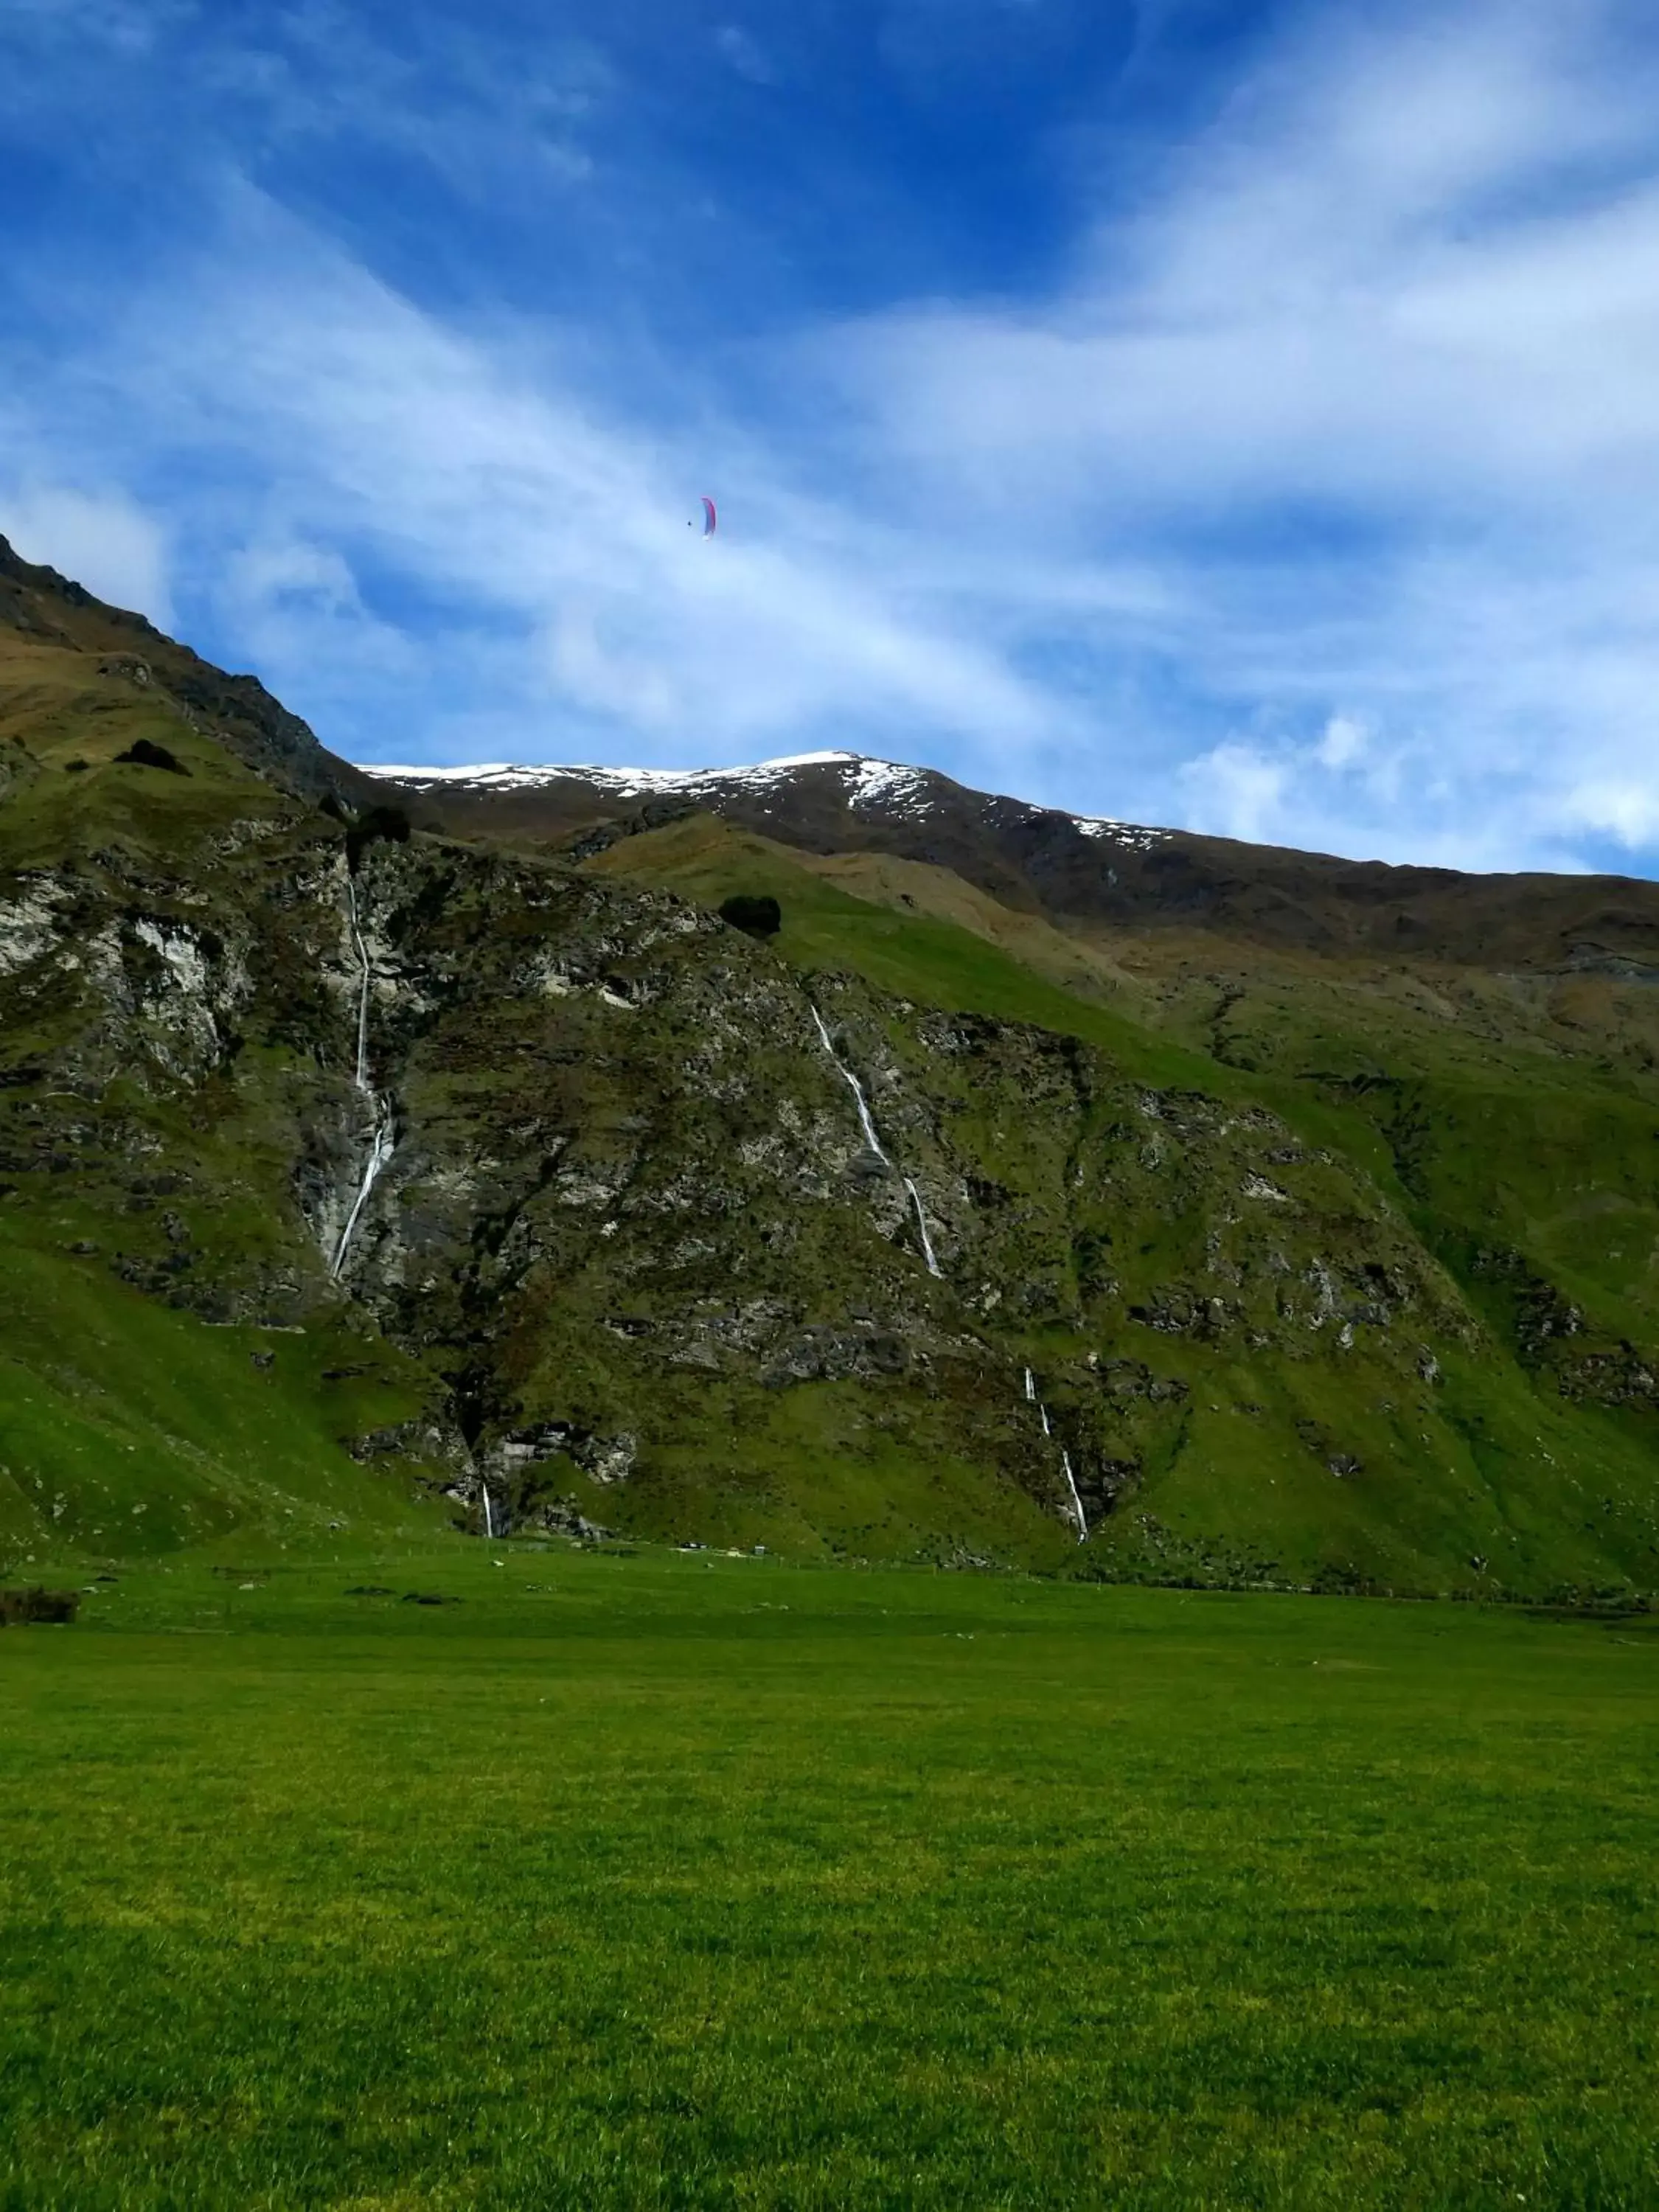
x=687 y=1880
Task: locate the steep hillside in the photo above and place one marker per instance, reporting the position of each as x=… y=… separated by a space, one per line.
x=74 y=669
x=349 y=1174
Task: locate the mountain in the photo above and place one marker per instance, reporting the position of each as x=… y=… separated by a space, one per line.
x=1086 y=869
x=380 y=1147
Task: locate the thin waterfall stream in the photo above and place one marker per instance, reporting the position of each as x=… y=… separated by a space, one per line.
x=1078 y=1513
x=865 y=1122
x=1077 y=1503
x=380 y=1137
x=360 y=945
x=921 y=1226
x=867 y=1125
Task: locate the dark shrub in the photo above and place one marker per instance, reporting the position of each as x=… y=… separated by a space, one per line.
x=757 y=916
x=145 y=754
x=377 y=825
x=17 y=1606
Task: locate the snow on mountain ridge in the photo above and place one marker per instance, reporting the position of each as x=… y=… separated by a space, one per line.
x=514 y=775
x=889 y=787
x=1131 y=835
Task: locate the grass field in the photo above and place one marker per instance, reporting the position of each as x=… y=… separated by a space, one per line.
x=656 y=1880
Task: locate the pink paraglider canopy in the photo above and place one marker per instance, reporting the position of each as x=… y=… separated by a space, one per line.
x=709 y=517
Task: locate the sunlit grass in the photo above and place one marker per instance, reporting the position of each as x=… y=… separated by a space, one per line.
x=658 y=1880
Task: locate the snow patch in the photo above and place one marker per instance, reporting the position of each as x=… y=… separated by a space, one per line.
x=885 y=784
x=1130 y=836
x=625 y=782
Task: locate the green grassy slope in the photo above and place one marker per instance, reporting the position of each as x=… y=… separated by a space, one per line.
x=128 y=1429
x=670 y=1882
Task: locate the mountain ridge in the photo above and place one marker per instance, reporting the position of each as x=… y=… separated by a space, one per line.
x=1073 y=867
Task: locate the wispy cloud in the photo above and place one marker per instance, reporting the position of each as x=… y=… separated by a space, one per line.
x=1372 y=379
x=547 y=541
x=1315 y=501
x=102 y=539
x=744 y=52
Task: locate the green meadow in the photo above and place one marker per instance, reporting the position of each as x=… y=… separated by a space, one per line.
x=659 y=1880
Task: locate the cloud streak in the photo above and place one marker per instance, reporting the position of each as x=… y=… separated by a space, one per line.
x=1372 y=383
x=539 y=533
x=1315 y=500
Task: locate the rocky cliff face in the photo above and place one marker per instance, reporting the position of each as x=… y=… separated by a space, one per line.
x=672 y=1232
x=626 y=1217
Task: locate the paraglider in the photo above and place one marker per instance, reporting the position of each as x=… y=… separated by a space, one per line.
x=709 y=518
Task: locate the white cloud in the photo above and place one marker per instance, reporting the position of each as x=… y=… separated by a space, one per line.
x=1236 y=790
x=102 y=540
x=1342 y=744
x=1627 y=812
x=1369 y=381
x=130 y=27
x=1319 y=501
x=383 y=441
x=740 y=49
x=296 y=606
x=273 y=572
x=1363 y=286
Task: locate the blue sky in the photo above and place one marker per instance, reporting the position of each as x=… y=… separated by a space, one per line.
x=1239 y=417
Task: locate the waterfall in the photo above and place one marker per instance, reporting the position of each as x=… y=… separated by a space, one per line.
x=1077 y=1503
x=360 y=1077
x=489 y=1519
x=1077 y=1514
x=921 y=1223
x=379 y=1151
x=380 y=1137
x=867 y=1125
